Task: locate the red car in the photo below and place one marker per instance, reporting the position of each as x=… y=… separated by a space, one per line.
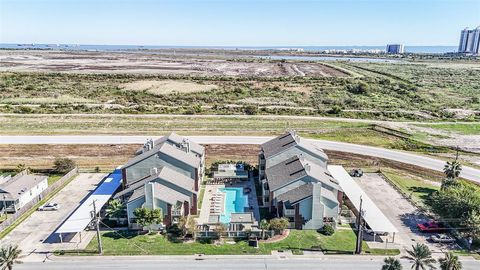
x=431 y=227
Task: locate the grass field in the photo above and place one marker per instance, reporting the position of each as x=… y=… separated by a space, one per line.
x=417 y=188
x=343 y=241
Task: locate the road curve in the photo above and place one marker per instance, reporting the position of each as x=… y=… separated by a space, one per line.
x=468 y=173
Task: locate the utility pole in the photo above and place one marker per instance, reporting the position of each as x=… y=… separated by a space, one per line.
x=97 y=226
x=358 y=246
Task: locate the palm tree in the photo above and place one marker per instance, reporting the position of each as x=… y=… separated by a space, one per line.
x=421 y=257
x=450 y=262
x=453 y=168
x=115 y=210
x=264 y=225
x=9 y=256
x=391 y=263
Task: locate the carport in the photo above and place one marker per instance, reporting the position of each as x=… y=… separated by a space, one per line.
x=83 y=215
x=373 y=216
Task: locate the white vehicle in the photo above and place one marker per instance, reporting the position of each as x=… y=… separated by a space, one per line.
x=442 y=238
x=49 y=207
x=371 y=232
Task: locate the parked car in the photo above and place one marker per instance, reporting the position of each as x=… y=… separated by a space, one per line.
x=356 y=173
x=442 y=238
x=49 y=207
x=431 y=227
x=371 y=232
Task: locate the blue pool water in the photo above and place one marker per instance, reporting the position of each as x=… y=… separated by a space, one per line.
x=235 y=202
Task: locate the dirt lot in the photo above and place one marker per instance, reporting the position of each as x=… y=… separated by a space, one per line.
x=86 y=156
x=153 y=63
x=162 y=87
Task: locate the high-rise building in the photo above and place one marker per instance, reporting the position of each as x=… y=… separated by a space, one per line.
x=395 y=48
x=470 y=41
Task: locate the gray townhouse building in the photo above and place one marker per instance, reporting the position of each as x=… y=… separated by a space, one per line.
x=296 y=183
x=165 y=174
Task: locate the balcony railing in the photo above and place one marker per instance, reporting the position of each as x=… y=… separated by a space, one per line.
x=176 y=212
x=289 y=212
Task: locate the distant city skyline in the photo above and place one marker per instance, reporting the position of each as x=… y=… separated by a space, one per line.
x=238 y=22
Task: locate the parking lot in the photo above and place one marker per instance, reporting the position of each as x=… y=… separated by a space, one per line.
x=31 y=233
x=399 y=211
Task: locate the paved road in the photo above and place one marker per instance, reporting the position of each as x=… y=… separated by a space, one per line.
x=469 y=173
x=344 y=263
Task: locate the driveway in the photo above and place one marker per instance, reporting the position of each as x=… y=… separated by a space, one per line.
x=33 y=231
x=398 y=210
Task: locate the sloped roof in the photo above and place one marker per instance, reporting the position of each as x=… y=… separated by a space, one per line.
x=189 y=159
x=320 y=173
x=176 y=139
x=169 y=195
x=137 y=193
x=19 y=184
x=285 y=172
x=278 y=144
x=288 y=140
x=169 y=175
x=297 y=194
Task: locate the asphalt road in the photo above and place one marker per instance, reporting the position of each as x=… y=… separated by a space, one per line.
x=344 y=263
x=468 y=173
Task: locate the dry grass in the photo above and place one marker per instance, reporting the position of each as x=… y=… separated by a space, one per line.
x=163 y=87
x=42 y=156
x=243 y=152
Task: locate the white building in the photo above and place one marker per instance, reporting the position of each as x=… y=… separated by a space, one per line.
x=395 y=48
x=19 y=190
x=470 y=41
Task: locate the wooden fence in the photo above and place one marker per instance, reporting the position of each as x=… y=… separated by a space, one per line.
x=27 y=207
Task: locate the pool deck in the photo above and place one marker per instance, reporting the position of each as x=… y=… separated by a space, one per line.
x=217 y=203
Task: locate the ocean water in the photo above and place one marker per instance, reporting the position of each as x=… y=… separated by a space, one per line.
x=410 y=49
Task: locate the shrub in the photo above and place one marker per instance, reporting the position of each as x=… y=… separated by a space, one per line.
x=250 y=109
x=327 y=230
x=360 y=88
x=279 y=224
x=335 y=110
x=63 y=165
x=174 y=230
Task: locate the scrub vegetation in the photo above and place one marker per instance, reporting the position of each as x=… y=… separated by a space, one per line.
x=378 y=90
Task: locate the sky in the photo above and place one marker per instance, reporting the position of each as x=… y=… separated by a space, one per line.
x=237 y=22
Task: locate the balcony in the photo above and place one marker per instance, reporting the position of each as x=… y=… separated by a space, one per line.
x=289 y=212
x=177 y=213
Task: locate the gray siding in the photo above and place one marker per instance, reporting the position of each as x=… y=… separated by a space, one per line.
x=143 y=168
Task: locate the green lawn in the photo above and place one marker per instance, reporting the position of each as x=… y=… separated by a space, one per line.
x=128 y=243
x=411 y=185
x=52 y=178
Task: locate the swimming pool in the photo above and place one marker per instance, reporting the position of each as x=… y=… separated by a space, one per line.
x=235 y=202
